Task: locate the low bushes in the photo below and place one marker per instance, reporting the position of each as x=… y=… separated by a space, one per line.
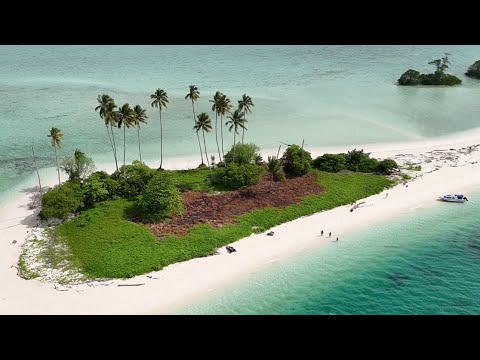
x=234 y=176
x=244 y=154
x=296 y=161
x=161 y=198
x=355 y=160
x=62 y=201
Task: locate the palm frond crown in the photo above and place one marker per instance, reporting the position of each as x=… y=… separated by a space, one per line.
x=139 y=116
x=160 y=99
x=56 y=137
x=124 y=116
x=237 y=120
x=193 y=93
x=246 y=104
x=203 y=123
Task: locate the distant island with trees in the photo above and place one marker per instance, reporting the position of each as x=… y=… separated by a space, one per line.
x=439 y=77
x=474 y=70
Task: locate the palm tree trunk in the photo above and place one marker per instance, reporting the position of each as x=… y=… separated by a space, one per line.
x=109 y=138
x=271 y=182
x=114 y=147
x=161 y=139
x=56 y=160
x=124 y=145
x=198 y=137
x=36 y=168
x=216 y=136
x=138 y=135
x=124 y=149
x=234 y=132
x=243 y=129
x=221 y=133
x=206 y=155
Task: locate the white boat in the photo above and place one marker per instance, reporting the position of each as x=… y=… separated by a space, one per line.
x=453 y=198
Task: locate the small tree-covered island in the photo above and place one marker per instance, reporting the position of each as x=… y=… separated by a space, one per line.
x=474 y=70
x=439 y=77
x=139 y=219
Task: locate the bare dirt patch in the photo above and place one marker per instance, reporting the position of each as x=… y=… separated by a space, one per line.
x=220 y=209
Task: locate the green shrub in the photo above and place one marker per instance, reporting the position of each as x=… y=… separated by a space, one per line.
x=409 y=77
x=439 y=78
x=234 y=176
x=79 y=166
x=330 y=162
x=244 y=154
x=99 y=187
x=368 y=165
x=135 y=181
x=386 y=165
x=161 y=198
x=354 y=158
x=296 y=161
x=275 y=169
x=62 y=201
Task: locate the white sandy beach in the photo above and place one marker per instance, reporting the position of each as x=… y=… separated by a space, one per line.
x=443 y=171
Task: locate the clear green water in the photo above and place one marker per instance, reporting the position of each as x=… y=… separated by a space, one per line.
x=327 y=95
x=426 y=262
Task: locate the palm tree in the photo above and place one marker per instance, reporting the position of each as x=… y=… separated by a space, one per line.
x=237 y=119
x=193 y=95
x=244 y=104
x=160 y=100
x=273 y=166
x=106 y=106
x=224 y=108
x=215 y=107
x=139 y=116
x=111 y=117
x=124 y=117
x=205 y=124
x=56 y=137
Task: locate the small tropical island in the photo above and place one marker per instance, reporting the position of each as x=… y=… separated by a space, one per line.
x=474 y=70
x=439 y=77
x=139 y=219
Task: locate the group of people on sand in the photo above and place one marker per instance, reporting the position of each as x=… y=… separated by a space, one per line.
x=329 y=234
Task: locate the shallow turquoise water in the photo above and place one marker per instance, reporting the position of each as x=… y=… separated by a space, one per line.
x=426 y=262
x=327 y=95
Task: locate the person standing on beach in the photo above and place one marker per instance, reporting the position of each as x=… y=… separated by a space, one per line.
x=337 y=239
x=386 y=196
x=321 y=233
x=330 y=234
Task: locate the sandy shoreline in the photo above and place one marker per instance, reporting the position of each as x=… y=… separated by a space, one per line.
x=444 y=171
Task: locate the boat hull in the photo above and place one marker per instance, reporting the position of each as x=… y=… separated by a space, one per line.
x=453 y=198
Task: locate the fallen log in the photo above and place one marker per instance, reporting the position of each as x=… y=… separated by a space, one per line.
x=131 y=284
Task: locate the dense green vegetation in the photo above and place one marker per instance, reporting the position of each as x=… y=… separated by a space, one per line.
x=296 y=161
x=108 y=245
x=474 y=70
x=161 y=198
x=244 y=154
x=439 y=77
x=330 y=162
x=235 y=176
x=355 y=160
x=62 y=201
x=77 y=167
